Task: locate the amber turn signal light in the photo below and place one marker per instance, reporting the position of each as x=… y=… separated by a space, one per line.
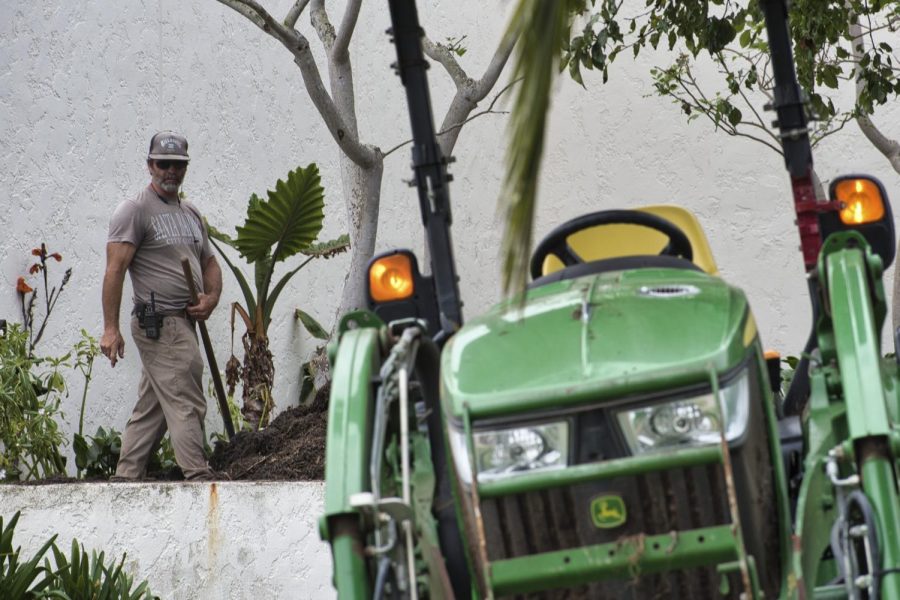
x=391 y=278
x=860 y=200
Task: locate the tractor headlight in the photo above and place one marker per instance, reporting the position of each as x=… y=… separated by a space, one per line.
x=508 y=452
x=691 y=421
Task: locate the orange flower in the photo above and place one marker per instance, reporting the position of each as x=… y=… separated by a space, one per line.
x=22 y=287
x=35 y=268
x=35 y=251
x=57 y=256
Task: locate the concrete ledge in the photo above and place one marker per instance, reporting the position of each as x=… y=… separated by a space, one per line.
x=213 y=541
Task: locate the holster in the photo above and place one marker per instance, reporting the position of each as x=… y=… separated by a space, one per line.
x=149 y=320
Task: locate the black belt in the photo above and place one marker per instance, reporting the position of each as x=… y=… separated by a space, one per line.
x=163 y=313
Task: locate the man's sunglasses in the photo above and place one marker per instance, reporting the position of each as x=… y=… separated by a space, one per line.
x=163 y=165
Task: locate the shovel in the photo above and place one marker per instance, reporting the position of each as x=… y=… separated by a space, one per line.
x=210 y=356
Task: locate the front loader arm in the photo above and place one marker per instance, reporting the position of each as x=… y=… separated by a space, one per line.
x=350 y=414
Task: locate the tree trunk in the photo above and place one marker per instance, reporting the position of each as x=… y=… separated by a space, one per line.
x=362 y=192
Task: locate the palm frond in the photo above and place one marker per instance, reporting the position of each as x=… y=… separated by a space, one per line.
x=543 y=30
x=289 y=220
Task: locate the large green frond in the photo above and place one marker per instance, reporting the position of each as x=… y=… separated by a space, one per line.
x=543 y=29
x=219 y=235
x=329 y=248
x=288 y=221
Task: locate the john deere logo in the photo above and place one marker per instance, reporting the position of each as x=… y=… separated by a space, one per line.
x=608 y=512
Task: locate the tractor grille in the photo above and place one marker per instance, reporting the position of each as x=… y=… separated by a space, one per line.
x=656 y=503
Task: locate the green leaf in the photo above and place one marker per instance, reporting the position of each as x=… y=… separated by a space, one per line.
x=734 y=116
x=745 y=38
x=329 y=248
x=312 y=326
x=289 y=220
x=249 y=296
x=215 y=234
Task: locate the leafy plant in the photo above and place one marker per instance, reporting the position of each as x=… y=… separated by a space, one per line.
x=16 y=578
x=285 y=224
x=50 y=295
x=30 y=391
x=97 y=455
x=76 y=576
x=73 y=576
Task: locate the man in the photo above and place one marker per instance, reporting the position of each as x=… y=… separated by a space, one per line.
x=148 y=237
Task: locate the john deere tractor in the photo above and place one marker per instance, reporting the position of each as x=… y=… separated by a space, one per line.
x=617 y=430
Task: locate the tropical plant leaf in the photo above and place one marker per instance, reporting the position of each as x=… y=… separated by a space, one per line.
x=329 y=248
x=249 y=296
x=289 y=220
x=312 y=326
x=215 y=234
x=276 y=291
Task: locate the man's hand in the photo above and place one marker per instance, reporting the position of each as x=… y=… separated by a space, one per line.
x=204 y=307
x=112 y=345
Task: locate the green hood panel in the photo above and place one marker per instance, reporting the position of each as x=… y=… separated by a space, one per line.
x=606 y=336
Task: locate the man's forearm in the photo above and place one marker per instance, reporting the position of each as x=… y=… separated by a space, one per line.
x=212 y=279
x=112 y=297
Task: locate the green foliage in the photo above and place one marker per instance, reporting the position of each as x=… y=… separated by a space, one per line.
x=16 y=579
x=273 y=231
x=834 y=43
x=97 y=455
x=30 y=394
x=71 y=577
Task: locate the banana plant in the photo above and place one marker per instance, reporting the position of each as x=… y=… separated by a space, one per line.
x=287 y=223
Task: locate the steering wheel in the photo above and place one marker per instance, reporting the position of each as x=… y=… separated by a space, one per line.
x=555 y=241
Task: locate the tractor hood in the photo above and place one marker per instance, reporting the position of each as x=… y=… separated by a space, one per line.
x=605 y=336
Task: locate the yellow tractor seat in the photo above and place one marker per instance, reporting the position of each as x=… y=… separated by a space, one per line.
x=611 y=241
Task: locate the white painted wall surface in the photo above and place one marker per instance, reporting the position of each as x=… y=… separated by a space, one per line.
x=83 y=85
x=191 y=541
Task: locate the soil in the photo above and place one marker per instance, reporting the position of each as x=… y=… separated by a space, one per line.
x=291 y=448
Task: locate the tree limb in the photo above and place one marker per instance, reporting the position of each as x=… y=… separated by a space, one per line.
x=888 y=147
x=298 y=46
x=488 y=111
x=468 y=91
x=444 y=56
x=345 y=31
x=318 y=16
x=296 y=10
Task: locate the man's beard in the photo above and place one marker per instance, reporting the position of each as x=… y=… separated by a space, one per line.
x=168 y=186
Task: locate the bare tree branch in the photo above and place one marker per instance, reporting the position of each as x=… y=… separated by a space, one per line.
x=296 y=10
x=345 y=31
x=444 y=56
x=298 y=45
x=468 y=92
x=488 y=111
x=494 y=68
x=318 y=16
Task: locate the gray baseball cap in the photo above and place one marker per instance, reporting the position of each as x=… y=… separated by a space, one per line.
x=168 y=145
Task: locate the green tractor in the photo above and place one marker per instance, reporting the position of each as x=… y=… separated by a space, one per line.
x=617 y=430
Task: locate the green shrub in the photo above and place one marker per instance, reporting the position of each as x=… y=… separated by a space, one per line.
x=74 y=577
x=30 y=393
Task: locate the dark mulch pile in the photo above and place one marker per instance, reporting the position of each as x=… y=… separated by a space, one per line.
x=291 y=448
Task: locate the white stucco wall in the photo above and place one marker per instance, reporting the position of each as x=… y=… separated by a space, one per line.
x=198 y=541
x=83 y=85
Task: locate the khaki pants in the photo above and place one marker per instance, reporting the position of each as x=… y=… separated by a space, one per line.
x=170 y=396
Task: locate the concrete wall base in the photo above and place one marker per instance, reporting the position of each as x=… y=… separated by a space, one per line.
x=224 y=540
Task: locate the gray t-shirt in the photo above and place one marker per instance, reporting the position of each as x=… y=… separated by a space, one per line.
x=163 y=232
